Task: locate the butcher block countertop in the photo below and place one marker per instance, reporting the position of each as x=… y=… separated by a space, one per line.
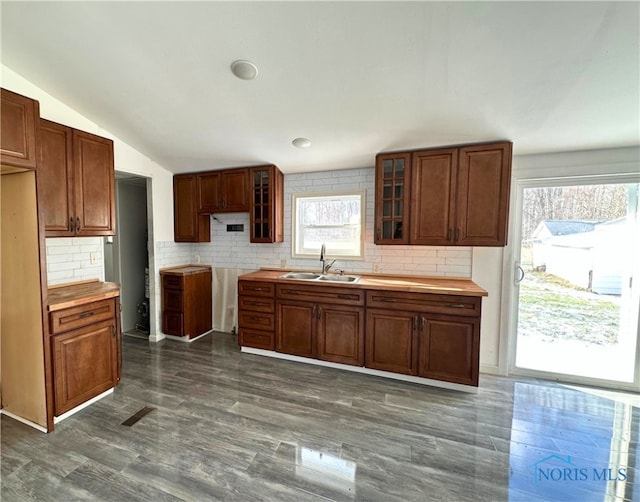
x=63 y=296
x=185 y=269
x=407 y=283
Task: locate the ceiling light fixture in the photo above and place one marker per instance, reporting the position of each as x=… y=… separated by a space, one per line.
x=245 y=70
x=301 y=142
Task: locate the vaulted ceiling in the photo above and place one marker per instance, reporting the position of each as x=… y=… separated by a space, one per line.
x=356 y=78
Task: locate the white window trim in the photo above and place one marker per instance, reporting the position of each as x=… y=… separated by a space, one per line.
x=294 y=219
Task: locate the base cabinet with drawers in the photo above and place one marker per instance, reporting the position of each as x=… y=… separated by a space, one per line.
x=86 y=352
x=186 y=300
x=421 y=334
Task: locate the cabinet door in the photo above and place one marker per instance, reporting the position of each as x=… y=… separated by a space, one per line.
x=18 y=137
x=341 y=334
x=56 y=174
x=484 y=180
x=94 y=181
x=188 y=225
x=85 y=364
x=391 y=344
x=449 y=349
x=393 y=173
x=295 y=330
x=235 y=194
x=208 y=192
x=433 y=197
x=266 y=204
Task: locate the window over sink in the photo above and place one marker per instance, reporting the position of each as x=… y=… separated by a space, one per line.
x=333 y=219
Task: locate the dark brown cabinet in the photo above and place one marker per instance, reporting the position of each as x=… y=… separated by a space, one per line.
x=19 y=138
x=225 y=191
x=188 y=224
x=85 y=346
x=391 y=341
x=267 y=200
x=457 y=196
x=256 y=314
x=428 y=335
x=257 y=190
x=78 y=182
x=186 y=300
x=321 y=322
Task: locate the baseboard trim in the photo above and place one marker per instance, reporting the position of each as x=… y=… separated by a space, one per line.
x=24 y=420
x=82 y=406
x=367 y=371
x=491 y=369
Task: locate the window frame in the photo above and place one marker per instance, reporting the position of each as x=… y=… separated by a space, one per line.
x=362 y=194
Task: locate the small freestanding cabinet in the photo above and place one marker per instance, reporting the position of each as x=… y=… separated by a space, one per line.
x=186 y=300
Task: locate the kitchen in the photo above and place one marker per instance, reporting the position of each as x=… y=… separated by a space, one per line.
x=230 y=253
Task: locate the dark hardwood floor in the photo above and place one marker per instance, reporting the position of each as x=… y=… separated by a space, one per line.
x=233 y=426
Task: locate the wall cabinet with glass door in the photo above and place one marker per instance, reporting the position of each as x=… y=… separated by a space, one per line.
x=266 y=211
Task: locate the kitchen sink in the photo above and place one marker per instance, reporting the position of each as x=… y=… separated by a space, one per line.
x=310 y=276
x=339 y=278
x=301 y=276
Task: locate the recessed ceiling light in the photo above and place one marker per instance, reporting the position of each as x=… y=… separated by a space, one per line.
x=301 y=142
x=245 y=70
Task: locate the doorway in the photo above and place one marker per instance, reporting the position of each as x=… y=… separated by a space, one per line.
x=127 y=254
x=577 y=301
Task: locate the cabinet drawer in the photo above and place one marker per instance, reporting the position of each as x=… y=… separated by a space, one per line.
x=256 y=320
x=257 y=304
x=172 y=299
x=255 y=288
x=172 y=281
x=172 y=323
x=425 y=302
x=257 y=339
x=82 y=315
x=321 y=294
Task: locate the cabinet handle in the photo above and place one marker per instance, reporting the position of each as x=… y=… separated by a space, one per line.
x=414 y=323
x=255 y=288
x=449 y=234
x=378 y=234
x=383 y=299
x=257 y=304
x=319 y=312
x=457 y=234
x=78 y=224
x=423 y=321
x=290 y=292
x=71 y=226
x=345 y=297
x=314 y=314
x=85 y=314
x=456 y=305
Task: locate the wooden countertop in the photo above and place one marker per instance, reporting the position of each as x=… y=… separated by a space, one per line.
x=407 y=283
x=185 y=269
x=71 y=295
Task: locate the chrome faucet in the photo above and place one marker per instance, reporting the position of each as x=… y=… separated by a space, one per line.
x=325 y=267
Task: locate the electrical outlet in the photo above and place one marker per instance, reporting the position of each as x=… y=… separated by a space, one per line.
x=283 y=263
x=376 y=268
x=94 y=258
x=197 y=258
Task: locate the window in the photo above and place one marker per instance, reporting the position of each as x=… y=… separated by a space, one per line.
x=336 y=220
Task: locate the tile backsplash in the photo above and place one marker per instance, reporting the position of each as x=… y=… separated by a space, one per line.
x=69 y=259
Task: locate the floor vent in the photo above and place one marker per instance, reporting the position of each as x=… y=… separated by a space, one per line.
x=137 y=416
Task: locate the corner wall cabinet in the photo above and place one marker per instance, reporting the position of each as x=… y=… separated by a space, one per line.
x=456 y=196
x=186 y=300
x=18 y=141
x=256 y=190
x=78 y=182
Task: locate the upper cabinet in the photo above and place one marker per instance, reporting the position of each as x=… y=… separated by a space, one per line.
x=457 y=196
x=224 y=191
x=78 y=182
x=266 y=214
x=188 y=224
x=18 y=141
x=256 y=190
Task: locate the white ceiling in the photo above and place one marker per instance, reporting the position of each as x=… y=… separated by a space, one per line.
x=356 y=78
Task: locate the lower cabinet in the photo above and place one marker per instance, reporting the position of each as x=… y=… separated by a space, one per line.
x=85 y=344
x=449 y=349
x=296 y=328
x=256 y=314
x=391 y=341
